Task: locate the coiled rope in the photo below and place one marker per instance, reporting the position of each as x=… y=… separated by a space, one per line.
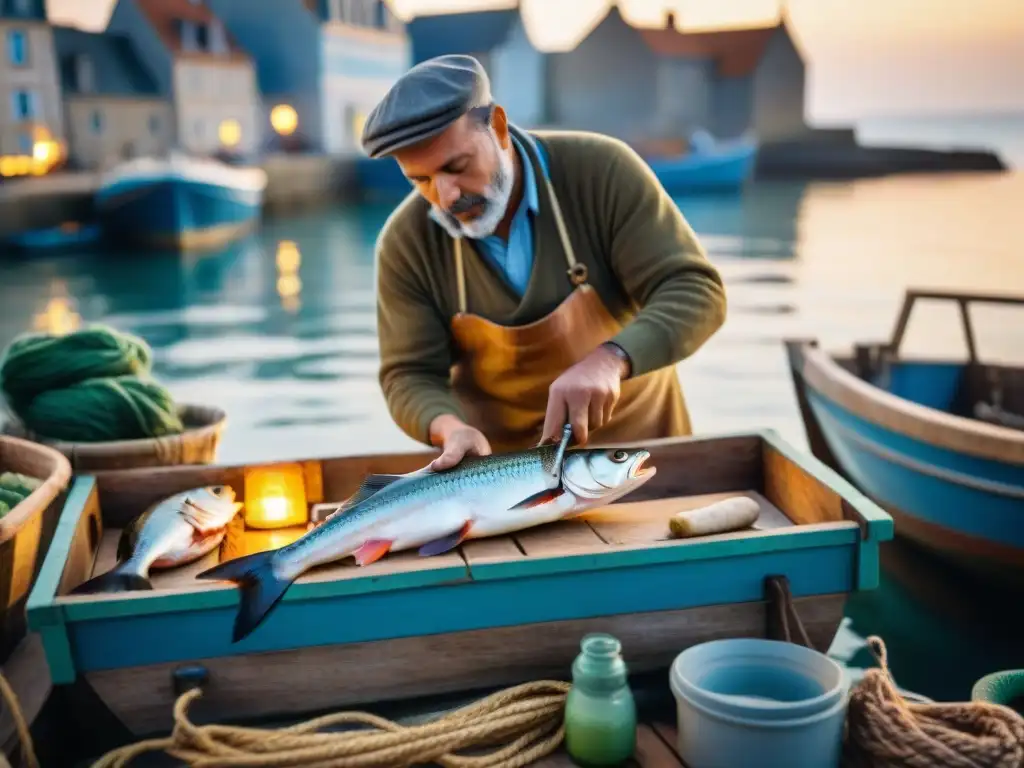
x=526 y=720
x=887 y=731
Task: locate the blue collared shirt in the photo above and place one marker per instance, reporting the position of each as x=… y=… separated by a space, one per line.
x=514 y=259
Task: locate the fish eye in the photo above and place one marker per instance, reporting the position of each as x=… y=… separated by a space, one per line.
x=217 y=490
x=619 y=456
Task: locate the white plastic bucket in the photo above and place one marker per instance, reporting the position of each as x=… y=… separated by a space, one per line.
x=763 y=703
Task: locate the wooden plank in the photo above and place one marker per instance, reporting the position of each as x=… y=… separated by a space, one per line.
x=698 y=465
x=184 y=577
x=641 y=522
x=651 y=751
x=318 y=678
x=666 y=731
x=799 y=495
x=568 y=537
x=496 y=549
x=28 y=675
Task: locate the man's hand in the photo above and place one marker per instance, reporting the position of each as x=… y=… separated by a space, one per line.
x=456 y=440
x=585 y=395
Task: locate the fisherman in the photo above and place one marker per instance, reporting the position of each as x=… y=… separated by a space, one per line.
x=530 y=280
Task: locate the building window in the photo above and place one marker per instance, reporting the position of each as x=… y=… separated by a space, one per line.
x=17 y=48
x=96 y=122
x=22 y=7
x=154 y=125
x=23 y=105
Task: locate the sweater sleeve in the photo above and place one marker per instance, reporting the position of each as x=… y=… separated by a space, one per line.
x=663 y=268
x=413 y=337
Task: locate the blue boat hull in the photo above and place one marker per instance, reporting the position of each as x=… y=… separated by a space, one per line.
x=723 y=170
x=177 y=213
x=380 y=179
x=964 y=506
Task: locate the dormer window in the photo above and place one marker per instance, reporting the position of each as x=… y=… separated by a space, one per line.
x=218 y=37
x=85 y=74
x=22 y=7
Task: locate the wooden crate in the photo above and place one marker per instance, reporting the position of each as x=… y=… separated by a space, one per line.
x=495 y=612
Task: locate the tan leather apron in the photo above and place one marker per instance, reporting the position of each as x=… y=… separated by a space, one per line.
x=503 y=372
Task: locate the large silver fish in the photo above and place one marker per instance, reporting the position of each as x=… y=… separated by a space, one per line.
x=437 y=511
x=178 y=530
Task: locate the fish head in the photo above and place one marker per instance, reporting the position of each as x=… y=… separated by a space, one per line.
x=602 y=475
x=215 y=498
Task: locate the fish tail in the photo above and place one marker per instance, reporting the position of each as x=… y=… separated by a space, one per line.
x=116 y=580
x=260 y=587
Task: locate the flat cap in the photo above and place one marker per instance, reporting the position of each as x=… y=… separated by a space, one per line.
x=424 y=101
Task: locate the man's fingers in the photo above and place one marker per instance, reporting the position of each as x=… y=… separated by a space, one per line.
x=595 y=414
x=578 y=417
x=554 y=419
x=452 y=455
x=481 y=446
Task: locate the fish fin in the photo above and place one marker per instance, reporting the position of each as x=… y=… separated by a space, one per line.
x=372 y=550
x=260 y=588
x=541 y=497
x=370 y=485
x=446 y=543
x=115 y=580
x=201 y=519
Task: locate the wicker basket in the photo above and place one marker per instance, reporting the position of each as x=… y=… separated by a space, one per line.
x=196 y=445
x=26 y=530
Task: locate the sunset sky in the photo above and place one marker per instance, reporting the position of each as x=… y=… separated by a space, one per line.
x=866 y=57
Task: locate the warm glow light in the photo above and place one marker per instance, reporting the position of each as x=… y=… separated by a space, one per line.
x=284 y=119
x=288 y=256
x=230 y=133
x=58 y=316
x=275 y=496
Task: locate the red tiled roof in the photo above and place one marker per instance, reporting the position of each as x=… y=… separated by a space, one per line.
x=736 y=52
x=164 y=16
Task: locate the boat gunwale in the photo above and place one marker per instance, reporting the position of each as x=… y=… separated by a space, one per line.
x=821 y=371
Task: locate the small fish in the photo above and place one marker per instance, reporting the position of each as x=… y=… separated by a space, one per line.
x=437 y=511
x=178 y=530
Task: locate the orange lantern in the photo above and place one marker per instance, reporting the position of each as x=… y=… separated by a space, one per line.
x=275 y=496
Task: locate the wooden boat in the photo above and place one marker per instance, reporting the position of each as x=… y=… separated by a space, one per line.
x=70 y=235
x=26 y=531
x=938 y=444
x=496 y=612
x=718 y=166
x=179 y=202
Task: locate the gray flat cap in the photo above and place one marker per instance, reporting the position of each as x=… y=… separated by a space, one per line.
x=424 y=101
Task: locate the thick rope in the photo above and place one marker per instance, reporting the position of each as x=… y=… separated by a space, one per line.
x=886 y=731
x=28 y=753
x=526 y=720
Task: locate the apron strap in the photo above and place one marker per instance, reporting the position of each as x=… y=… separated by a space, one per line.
x=460 y=276
x=577 y=271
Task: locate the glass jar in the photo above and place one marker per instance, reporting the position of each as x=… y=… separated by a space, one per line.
x=600 y=714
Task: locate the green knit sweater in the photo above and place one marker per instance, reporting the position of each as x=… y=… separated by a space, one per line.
x=643 y=259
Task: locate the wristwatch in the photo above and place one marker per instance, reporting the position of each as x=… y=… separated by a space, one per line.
x=622 y=355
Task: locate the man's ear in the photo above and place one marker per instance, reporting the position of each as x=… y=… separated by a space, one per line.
x=499 y=121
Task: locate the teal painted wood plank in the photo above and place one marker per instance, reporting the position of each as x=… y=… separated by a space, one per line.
x=57 y=649
x=41 y=608
x=726 y=547
x=779 y=540
x=879 y=523
x=191 y=635
x=868 y=565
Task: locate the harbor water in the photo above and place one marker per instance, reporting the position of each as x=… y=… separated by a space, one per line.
x=279 y=330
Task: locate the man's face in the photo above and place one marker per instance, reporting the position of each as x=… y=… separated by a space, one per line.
x=465 y=173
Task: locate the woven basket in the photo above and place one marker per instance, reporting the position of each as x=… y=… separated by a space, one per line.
x=196 y=445
x=26 y=531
